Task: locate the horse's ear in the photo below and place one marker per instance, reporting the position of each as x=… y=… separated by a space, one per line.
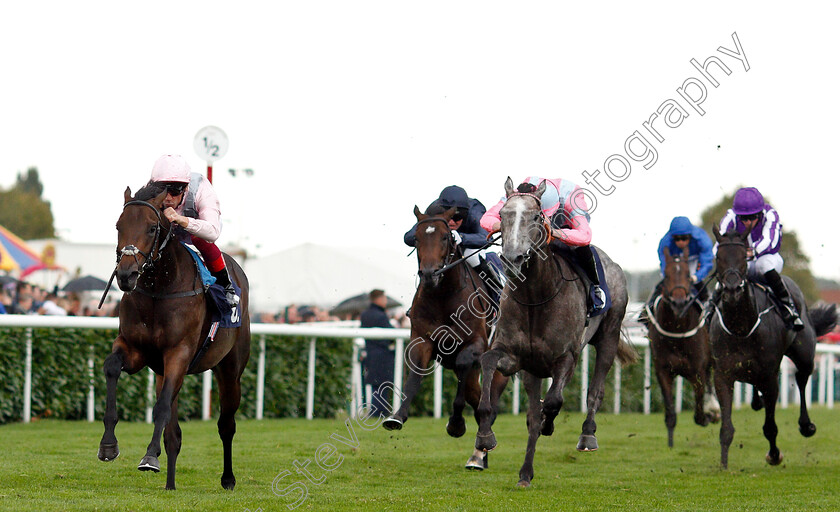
x=540 y=190
x=127 y=194
x=158 y=199
x=417 y=213
x=508 y=187
x=685 y=253
x=716 y=232
x=667 y=252
x=448 y=214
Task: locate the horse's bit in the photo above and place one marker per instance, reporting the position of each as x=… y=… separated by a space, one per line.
x=155 y=253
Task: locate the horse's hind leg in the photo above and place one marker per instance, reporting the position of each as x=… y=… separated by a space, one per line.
x=711 y=407
x=802 y=356
x=108 y=446
x=724 y=387
x=456 y=427
x=607 y=348
x=774 y=456
x=533 y=386
x=230 y=395
x=172 y=444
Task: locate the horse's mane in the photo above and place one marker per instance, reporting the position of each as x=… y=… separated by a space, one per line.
x=149 y=191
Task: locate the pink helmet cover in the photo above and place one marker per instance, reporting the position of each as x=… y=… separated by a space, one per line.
x=171 y=168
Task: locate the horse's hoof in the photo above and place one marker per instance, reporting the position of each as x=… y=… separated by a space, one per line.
x=757 y=402
x=392 y=423
x=456 y=428
x=108 y=452
x=774 y=462
x=587 y=443
x=149 y=463
x=478 y=463
x=547 y=428
x=486 y=442
x=228 y=482
x=522 y=484
x=808 y=430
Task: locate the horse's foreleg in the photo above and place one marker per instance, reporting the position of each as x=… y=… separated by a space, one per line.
x=172 y=444
x=174 y=367
x=700 y=416
x=419 y=355
x=456 y=427
x=774 y=456
x=711 y=407
x=606 y=348
x=533 y=387
x=553 y=402
x=666 y=384
x=486 y=413
x=108 y=446
x=230 y=395
x=723 y=388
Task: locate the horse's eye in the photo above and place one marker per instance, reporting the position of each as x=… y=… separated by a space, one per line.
x=151 y=231
x=536 y=218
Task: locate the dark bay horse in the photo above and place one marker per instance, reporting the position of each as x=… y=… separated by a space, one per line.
x=679 y=342
x=450 y=317
x=543 y=328
x=163 y=322
x=749 y=340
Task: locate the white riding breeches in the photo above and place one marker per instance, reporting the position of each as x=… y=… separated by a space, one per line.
x=763 y=264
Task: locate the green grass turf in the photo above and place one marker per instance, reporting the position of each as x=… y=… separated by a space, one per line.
x=52 y=465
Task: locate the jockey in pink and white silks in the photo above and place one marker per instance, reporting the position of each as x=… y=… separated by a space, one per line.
x=750 y=213
x=563 y=202
x=192 y=205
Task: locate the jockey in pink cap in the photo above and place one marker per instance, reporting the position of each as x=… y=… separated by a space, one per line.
x=750 y=213
x=191 y=204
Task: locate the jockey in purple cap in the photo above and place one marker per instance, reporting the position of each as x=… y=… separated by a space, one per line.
x=750 y=213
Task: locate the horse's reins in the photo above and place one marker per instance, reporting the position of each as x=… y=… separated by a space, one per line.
x=743 y=284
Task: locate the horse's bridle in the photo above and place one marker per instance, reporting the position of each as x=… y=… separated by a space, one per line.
x=451 y=248
x=155 y=253
x=544 y=220
x=742 y=280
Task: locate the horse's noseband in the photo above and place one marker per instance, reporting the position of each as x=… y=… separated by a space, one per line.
x=155 y=253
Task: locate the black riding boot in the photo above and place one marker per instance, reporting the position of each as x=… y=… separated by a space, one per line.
x=223 y=279
x=643 y=315
x=586 y=260
x=789 y=313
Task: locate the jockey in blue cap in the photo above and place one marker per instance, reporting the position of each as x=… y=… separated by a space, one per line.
x=750 y=213
x=681 y=234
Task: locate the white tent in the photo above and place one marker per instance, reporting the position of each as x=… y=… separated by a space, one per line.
x=320 y=275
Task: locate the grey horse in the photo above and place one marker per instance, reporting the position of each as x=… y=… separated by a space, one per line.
x=543 y=327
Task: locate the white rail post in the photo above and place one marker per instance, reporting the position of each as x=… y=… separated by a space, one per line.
x=438 y=407
x=646 y=405
x=784 y=388
x=748 y=393
x=206 y=389
x=310 y=382
x=261 y=380
x=617 y=389
x=821 y=391
x=27 y=378
x=515 y=381
x=678 y=396
x=358 y=399
x=398 y=372
x=150 y=396
x=737 y=394
x=829 y=395
x=584 y=377
x=91 y=402
x=809 y=394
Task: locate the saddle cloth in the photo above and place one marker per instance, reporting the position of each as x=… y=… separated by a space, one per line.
x=566 y=253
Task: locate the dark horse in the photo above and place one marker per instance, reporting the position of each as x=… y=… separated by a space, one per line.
x=163 y=322
x=450 y=318
x=749 y=340
x=543 y=328
x=679 y=342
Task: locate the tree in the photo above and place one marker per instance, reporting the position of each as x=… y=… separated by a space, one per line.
x=23 y=212
x=797 y=263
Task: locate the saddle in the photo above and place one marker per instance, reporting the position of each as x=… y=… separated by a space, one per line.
x=563 y=251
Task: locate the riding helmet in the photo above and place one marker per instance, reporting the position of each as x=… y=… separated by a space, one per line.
x=747 y=201
x=171 y=168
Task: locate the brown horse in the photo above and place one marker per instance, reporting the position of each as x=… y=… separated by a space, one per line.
x=163 y=322
x=679 y=342
x=543 y=328
x=749 y=339
x=450 y=324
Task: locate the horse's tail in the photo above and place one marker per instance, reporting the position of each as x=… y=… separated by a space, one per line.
x=626 y=353
x=823 y=317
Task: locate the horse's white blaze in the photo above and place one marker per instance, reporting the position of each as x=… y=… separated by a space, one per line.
x=519 y=211
x=430 y=229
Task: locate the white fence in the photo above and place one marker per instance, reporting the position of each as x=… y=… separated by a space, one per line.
x=826 y=364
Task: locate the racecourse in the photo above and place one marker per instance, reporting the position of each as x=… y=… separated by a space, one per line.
x=52 y=465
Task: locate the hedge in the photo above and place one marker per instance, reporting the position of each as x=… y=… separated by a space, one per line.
x=60 y=380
